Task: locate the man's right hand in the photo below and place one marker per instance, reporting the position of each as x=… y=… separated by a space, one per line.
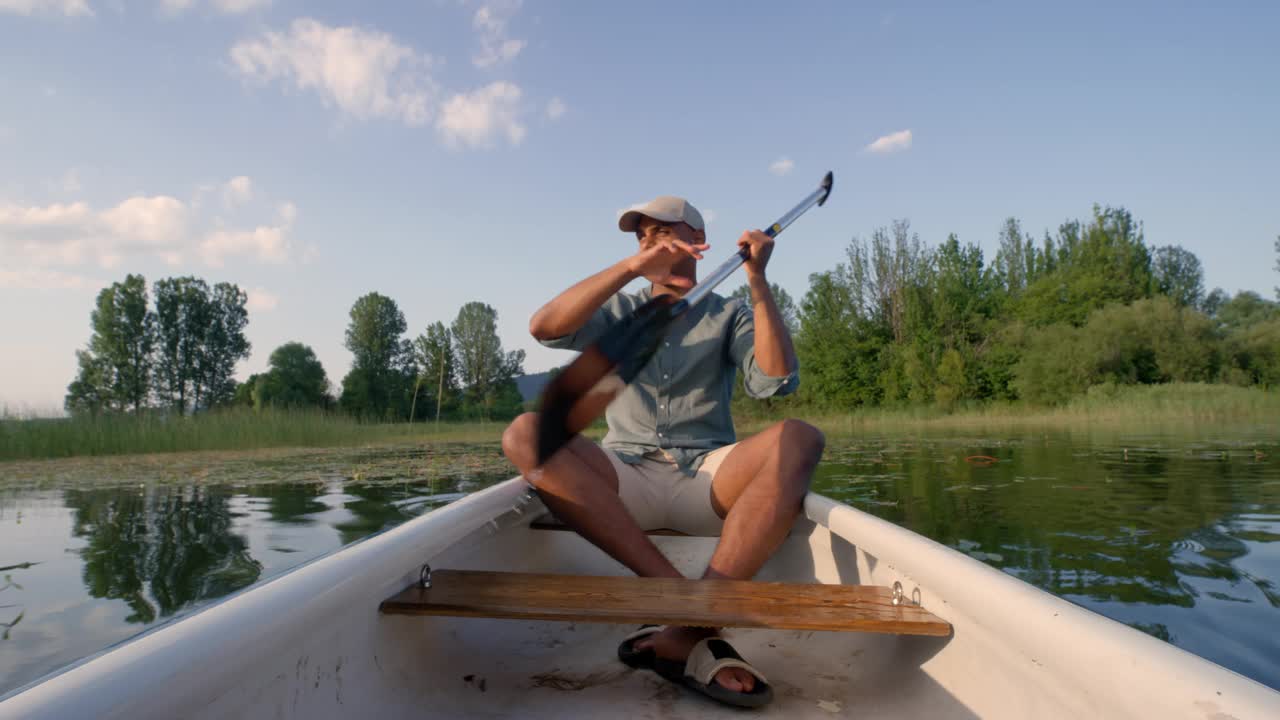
x=654 y=261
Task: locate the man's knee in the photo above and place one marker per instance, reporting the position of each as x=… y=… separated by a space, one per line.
x=519 y=441
x=798 y=436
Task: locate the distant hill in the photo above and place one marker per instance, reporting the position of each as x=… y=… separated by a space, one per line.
x=530 y=386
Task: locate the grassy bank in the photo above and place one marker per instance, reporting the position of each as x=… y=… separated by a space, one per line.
x=1133 y=407
x=226 y=430
x=1108 y=408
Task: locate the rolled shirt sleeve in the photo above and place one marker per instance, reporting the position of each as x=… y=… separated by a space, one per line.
x=587 y=334
x=742 y=350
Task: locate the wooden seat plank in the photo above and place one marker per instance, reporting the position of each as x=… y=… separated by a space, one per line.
x=665 y=601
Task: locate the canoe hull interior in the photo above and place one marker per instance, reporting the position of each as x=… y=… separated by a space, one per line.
x=312 y=643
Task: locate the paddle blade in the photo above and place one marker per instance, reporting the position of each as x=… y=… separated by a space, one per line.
x=580 y=393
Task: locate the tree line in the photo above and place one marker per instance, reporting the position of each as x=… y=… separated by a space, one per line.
x=179 y=353
x=1087 y=308
x=899 y=322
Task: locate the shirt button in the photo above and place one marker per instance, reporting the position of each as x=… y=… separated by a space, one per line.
x=659 y=434
x=662 y=407
x=666 y=344
x=665 y=376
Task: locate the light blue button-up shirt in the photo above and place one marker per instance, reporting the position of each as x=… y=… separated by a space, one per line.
x=679 y=403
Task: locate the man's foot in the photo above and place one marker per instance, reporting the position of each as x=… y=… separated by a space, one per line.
x=675 y=643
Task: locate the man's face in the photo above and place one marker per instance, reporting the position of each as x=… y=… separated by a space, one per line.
x=650 y=232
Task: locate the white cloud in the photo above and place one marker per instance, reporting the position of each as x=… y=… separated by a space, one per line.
x=35 y=238
x=261 y=300
x=56 y=215
x=158 y=221
x=781 y=166
x=32 y=279
x=68 y=234
x=236 y=7
x=490 y=23
x=65 y=8
x=364 y=73
x=237 y=191
x=556 y=108
x=475 y=118
x=265 y=243
x=226 y=7
x=893 y=142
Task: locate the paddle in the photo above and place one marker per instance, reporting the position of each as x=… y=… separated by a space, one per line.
x=582 y=391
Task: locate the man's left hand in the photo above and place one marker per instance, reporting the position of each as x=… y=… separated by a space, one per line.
x=760 y=247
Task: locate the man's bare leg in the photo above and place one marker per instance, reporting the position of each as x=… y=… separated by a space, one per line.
x=758 y=490
x=580 y=486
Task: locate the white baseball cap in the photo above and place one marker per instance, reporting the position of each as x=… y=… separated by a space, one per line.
x=667 y=208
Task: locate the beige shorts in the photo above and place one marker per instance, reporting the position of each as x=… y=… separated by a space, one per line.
x=659 y=496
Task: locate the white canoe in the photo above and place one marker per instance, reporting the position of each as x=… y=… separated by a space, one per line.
x=312 y=643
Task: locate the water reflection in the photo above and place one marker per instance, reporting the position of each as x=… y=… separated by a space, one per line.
x=160 y=550
x=1171 y=538
x=81 y=569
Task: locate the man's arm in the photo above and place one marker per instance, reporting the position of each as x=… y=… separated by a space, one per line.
x=775 y=354
x=571 y=309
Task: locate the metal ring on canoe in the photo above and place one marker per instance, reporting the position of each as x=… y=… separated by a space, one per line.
x=897 y=593
x=424 y=576
x=981 y=460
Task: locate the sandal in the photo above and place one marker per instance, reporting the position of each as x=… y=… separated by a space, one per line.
x=639 y=659
x=708 y=657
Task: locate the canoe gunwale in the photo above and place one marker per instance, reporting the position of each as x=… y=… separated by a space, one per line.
x=1121 y=667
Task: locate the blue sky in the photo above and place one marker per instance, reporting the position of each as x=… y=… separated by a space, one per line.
x=449 y=151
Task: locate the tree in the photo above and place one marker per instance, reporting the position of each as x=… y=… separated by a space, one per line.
x=1213 y=302
x=89 y=393
x=377 y=386
x=1277 y=265
x=1154 y=340
x=483 y=367
x=1103 y=262
x=199 y=340
x=115 y=372
x=1015 y=260
x=1177 y=274
x=246 y=391
x=182 y=312
x=1245 y=310
x=786 y=306
x=433 y=352
x=223 y=345
x=295 y=379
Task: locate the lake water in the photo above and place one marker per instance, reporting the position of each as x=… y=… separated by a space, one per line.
x=1175 y=533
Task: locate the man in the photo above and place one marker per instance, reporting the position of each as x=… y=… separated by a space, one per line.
x=670 y=459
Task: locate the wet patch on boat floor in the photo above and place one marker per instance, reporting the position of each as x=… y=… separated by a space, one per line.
x=576 y=682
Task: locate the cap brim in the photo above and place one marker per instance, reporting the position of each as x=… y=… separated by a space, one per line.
x=630 y=220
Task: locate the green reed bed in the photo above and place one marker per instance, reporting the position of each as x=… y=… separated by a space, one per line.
x=219 y=430
x=1134 y=406
x=1147 y=406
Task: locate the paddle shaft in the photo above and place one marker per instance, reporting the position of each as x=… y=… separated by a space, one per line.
x=717 y=276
